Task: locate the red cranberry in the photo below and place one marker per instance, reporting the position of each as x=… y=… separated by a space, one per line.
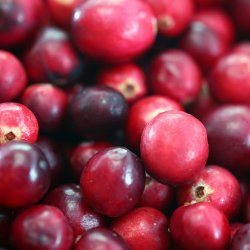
x=13 y=77
x=128 y=79
x=69 y=200
x=19 y=19
x=17 y=122
x=242 y=47
x=125 y=29
x=41 y=227
x=174 y=147
x=144 y=111
x=241 y=239
x=143 y=228
x=114 y=170
x=216 y=185
x=173 y=17
x=200 y=226
x=83 y=152
x=101 y=238
x=24 y=176
x=234 y=228
x=97 y=111
x=228 y=130
x=52 y=58
x=174 y=73
x=48 y=103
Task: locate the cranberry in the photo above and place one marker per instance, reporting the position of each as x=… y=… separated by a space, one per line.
x=128 y=79
x=114 y=170
x=200 y=226
x=97 y=111
x=101 y=238
x=143 y=111
x=24 y=176
x=125 y=29
x=17 y=122
x=174 y=73
x=52 y=58
x=48 y=103
x=83 y=152
x=209 y=3
x=13 y=77
x=241 y=239
x=174 y=147
x=41 y=227
x=143 y=228
x=173 y=17
x=234 y=228
x=242 y=47
x=216 y=185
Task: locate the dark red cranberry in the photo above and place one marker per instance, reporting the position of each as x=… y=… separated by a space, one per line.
x=101 y=238
x=209 y=3
x=128 y=79
x=124 y=31
x=25 y=174
x=174 y=147
x=48 y=103
x=112 y=181
x=13 y=77
x=17 y=122
x=143 y=228
x=241 y=239
x=200 y=226
x=52 y=58
x=69 y=200
x=41 y=227
x=234 y=228
x=19 y=20
x=97 y=111
x=173 y=17
x=215 y=185
x=228 y=130
x=173 y=73
x=83 y=152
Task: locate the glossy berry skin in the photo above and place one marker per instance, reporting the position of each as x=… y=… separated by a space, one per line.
x=41 y=227
x=97 y=111
x=118 y=171
x=241 y=239
x=200 y=226
x=175 y=74
x=143 y=228
x=228 y=129
x=174 y=147
x=69 y=200
x=143 y=111
x=101 y=238
x=128 y=79
x=173 y=17
x=48 y=103
x=126 y=29
x=215 y=185
x=52 y=58
x=13 y=77
x=17 y=122
x=25 y=174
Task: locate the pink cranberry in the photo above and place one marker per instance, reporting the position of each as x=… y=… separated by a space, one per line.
x=215 y=185
x=25 y=174
x=41 y=227
x=174 y=73
x=101 y=238
x=125 y=29
x=241 y=239
x=52 y=58
x=173 y=17
x=128 y=79
x=17 y=122
x=174 y=147
x=143 y=111
x=112 y=182
x=143 y=228
x=200 y=226
x=48 y=103
x=13 y=77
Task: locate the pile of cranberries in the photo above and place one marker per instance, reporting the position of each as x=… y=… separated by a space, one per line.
x=124 y=124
